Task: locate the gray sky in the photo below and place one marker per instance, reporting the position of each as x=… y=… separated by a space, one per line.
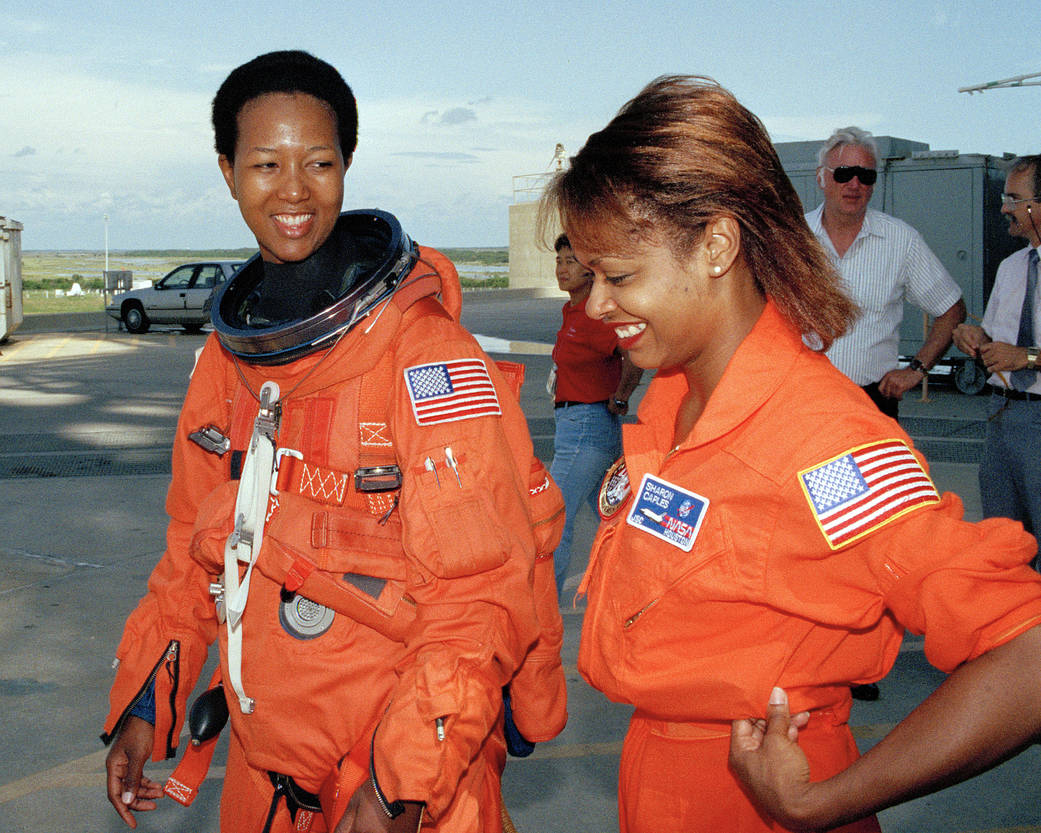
x=104 y=106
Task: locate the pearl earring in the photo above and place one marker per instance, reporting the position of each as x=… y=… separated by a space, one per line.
x=717 y=269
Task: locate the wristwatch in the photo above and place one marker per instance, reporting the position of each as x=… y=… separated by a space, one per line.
x=916 y=364
x=624 y=403
x=1032 y=353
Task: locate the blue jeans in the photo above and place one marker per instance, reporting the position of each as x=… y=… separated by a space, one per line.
x=587 y=440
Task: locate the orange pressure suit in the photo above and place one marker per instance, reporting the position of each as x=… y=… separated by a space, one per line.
x=437 y=575
x=786 y=582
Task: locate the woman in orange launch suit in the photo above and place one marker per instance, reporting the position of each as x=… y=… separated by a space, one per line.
x=768 y=535
x=349 y=513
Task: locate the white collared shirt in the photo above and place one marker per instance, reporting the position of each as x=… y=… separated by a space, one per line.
x=887 y=263
x=1001 y=320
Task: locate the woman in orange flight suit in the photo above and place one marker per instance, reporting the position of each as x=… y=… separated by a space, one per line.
x=768 y=534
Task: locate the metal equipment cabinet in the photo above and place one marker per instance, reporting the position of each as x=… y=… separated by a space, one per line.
x=954 y=201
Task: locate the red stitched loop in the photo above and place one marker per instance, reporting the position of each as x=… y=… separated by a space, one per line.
x=297 y=574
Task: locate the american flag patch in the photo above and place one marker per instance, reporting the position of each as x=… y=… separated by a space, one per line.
x=451 y=391
x=862 y=490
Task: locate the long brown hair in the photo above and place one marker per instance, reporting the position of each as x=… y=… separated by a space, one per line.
x=680 y=154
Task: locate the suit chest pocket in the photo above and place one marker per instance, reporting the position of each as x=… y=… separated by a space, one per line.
x=649 y=569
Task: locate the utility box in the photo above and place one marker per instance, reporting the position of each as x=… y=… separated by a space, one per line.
x=10 y=277
x=116 y=282
x=953 y=200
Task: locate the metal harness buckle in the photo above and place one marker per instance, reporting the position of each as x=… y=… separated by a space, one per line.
x=377 y=478
x=279 y=454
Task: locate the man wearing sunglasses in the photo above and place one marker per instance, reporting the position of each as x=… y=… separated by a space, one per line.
x=1007 y=343
x=882 y=261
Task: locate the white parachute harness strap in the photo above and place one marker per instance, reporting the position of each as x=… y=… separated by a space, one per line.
x=244 y=542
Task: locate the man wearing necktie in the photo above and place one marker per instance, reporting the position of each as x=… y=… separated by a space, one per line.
x=1007 y=343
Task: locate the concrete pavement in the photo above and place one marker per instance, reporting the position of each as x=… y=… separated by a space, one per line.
x=86 y=418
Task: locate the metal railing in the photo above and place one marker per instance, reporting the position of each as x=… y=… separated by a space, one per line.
x=529 y=187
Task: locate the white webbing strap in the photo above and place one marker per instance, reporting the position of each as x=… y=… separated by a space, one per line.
x=235 y=638
x=244 y=542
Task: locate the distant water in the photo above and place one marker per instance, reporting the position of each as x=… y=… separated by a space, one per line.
x=481 y=272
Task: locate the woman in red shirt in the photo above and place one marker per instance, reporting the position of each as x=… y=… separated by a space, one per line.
x=593 y=384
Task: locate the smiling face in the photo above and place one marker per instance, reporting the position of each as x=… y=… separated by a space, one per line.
x=685 y=300
x=847 y=200
x=664 y=309
x=288 y=172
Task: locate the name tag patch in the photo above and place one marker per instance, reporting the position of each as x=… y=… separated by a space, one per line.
x=668 y=511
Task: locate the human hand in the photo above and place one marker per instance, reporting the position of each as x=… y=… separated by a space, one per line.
x=898 y=382
x=766 y=758
x=618 y=407
x=998 y=356
x=365 y=815
x=128 y=788
x=969 y=339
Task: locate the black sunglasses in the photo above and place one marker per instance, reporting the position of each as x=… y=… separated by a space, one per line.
x=844 y=173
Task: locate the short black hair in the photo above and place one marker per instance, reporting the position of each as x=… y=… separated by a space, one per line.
x=561 y=243
x=287 y=71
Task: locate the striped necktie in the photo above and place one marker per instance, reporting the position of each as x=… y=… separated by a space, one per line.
x=1023 y=379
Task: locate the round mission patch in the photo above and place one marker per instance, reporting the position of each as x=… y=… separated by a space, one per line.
x=615 y=490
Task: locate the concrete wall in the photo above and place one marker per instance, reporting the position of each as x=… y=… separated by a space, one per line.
x=532 y=264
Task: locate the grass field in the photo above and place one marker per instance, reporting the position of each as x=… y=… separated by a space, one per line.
x=58 y=270
x=35 y=303
x=45 y=274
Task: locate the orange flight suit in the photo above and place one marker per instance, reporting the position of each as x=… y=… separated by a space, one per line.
x=450 y=556
x=769 y=594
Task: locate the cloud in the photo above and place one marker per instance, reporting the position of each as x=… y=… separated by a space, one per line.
x=944 y=16
x=440 y=156
x=25 y=25
x=25 y=151
x=458 y=115
x=453 y=116
x=217 y=69
x=147 y=149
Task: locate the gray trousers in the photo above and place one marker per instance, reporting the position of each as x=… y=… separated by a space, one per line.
x=1010 y=473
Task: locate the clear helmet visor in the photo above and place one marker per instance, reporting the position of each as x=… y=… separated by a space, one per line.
x=386 y=255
